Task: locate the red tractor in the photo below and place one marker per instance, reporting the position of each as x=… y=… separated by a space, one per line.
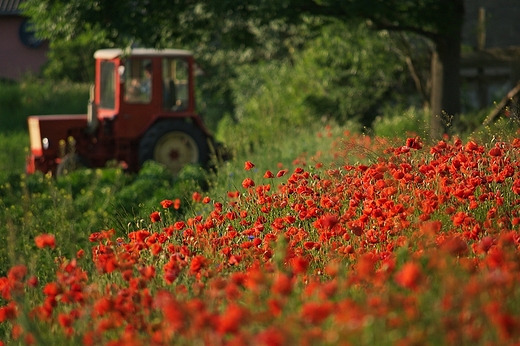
x=141 y=108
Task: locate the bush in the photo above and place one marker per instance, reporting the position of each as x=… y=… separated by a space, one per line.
x=398 y=122
x=348 y=74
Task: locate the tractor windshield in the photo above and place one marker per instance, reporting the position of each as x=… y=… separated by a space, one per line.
x=108 y=85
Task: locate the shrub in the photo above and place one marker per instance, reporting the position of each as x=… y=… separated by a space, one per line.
x=398 y=122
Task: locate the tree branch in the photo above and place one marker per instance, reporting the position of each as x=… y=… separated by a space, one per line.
x=397 y=27
x=417 y=80
x=512 y=93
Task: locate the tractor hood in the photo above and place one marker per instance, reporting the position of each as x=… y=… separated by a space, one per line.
x=46 y=131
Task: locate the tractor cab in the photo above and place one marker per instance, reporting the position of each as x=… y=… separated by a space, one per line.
x=142 y=107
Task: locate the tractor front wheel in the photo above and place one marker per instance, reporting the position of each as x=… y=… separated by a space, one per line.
x=174 y=144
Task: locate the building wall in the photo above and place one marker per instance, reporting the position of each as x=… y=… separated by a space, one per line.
x=17 y=59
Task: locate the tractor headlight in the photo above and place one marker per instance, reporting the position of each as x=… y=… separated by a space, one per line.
x=45 y=143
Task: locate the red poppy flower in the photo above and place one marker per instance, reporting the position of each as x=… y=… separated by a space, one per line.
x=409 y=276
x=233 y=194
x=454 y=245
x=231 y=320
x=32 y=281
x=156 y=249
x=275 y=307
x=52 y=289
x=247 y=183
x=197 y=197
x=248 y=165
x=356 y=227
x=176 y=204
x=179 y=225
x=282 y=284
x=65 y=320
x=316 y=312
x=329 y=221
x=166 y=203
x=139 y=236
x=366 y=265
x=268 y=174
x=172 y=310
x=8 y=312
x=155 y=216
x=17 y=273
x=299 y=265
x=281 y=173
x=495 y=152
x=197 y=263
x=414 y=143
x=45 y=240
x=471 y=145
x=148 y=272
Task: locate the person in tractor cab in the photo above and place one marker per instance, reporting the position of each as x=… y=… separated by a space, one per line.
x=141 y=90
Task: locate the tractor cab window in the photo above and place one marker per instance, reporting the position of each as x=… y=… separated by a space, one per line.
x=107 y=86
x=175 y=80
x=138 y=81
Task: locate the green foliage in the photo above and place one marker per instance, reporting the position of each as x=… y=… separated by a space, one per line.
x=471 y=121
x=340 y=77
x=503 y=128
x=85 y=201
x=228 y=24
x=355 y=72
x=397 y=122
x=73 y=60
x=231 y=34
x=269 y=101
x=12 y=156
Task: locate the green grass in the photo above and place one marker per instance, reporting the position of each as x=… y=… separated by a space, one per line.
x=34 y=97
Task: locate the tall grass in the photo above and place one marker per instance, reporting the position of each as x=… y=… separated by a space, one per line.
x=13 y=150
x=35 y=97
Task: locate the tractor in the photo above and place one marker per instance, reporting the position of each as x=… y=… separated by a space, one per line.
x=141 y=107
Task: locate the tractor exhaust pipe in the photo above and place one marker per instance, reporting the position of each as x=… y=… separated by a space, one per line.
x=92 y=118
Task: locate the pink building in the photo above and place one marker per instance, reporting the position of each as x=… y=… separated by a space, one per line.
x=20 y=51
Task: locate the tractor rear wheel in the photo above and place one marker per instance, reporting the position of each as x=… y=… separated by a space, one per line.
x=174 y=144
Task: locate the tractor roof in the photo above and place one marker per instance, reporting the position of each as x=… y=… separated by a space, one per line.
x=111 y=53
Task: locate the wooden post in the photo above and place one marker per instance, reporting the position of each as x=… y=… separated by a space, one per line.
x=481 y=29
x=481 y=43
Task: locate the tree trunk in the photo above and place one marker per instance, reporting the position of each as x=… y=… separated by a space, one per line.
x=445 y=93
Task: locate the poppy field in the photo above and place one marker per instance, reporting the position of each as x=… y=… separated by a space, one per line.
x=412 y=244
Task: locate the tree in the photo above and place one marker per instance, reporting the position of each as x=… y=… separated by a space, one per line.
x=438 y=20
x=220 y=37
x=260 y=29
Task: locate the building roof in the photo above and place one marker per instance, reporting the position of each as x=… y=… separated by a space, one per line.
x=10 y=7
